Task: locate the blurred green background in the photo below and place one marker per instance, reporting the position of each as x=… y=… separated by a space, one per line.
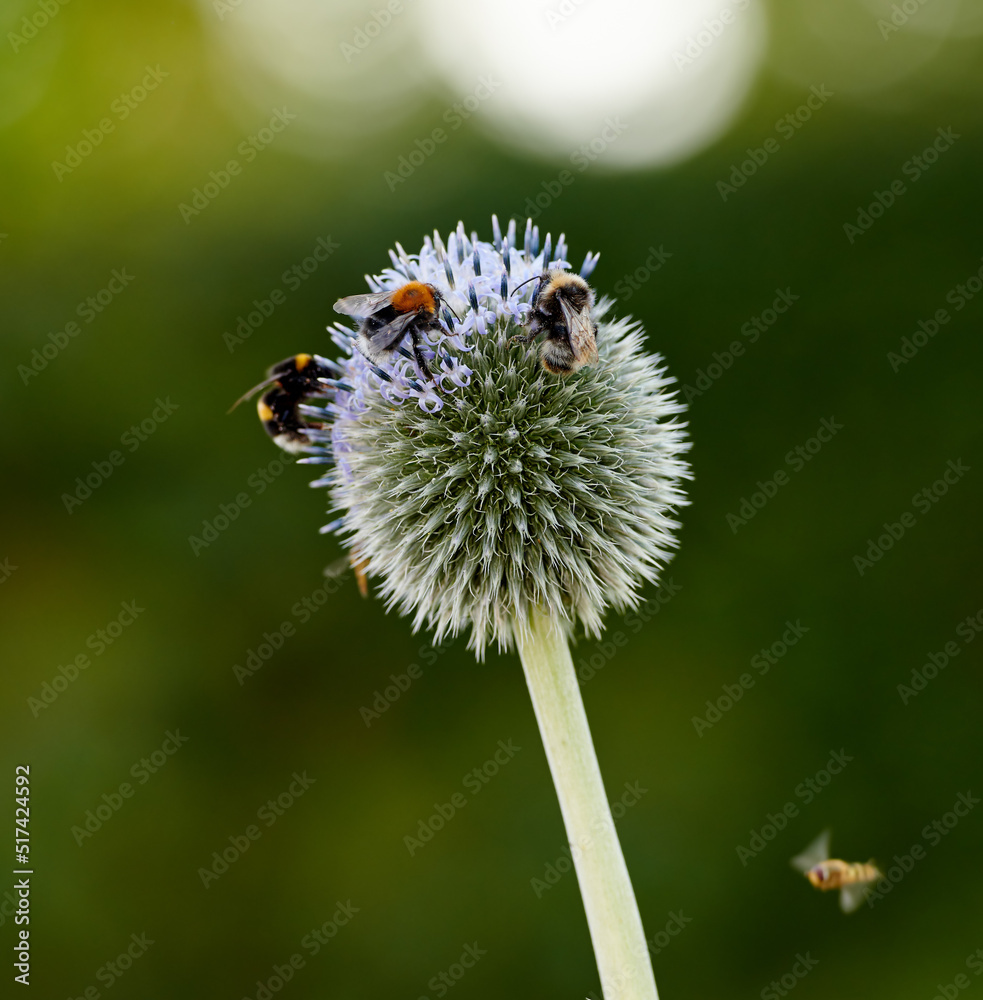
x=160 y=339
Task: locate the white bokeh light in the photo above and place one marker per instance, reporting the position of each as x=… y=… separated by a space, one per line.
x=349 y=69
x=676 y=71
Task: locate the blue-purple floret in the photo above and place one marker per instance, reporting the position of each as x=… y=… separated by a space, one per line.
x=477 y=281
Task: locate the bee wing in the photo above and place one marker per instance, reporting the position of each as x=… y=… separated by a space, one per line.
x=817 y=851
x=391 y=334
x=350 y=562
x=582 y=340
x=338 y=568
x=853 y=896
x=361 y=306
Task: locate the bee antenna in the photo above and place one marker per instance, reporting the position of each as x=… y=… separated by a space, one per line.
x=537 y=277
x=252 y=391
x=442 y=301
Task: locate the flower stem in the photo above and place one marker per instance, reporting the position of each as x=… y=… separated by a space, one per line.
x=612 y=913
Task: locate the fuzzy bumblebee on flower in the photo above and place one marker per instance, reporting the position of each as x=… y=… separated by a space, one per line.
x=505 y=461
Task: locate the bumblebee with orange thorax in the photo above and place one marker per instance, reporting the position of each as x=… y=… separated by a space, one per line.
x=825 y=873
x=388 y=317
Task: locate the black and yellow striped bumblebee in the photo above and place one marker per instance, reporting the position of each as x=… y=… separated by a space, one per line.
x=292 y=381
x=561 y=309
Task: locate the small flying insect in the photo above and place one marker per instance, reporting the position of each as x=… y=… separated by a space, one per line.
x=852 y=879
x=357 y=564
x=561 y=308
x=360 y=567
x=387 y=317
x=293 y=380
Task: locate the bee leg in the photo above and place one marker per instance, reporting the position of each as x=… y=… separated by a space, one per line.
x=527 y=338
x=535 y=325
x=421 y=360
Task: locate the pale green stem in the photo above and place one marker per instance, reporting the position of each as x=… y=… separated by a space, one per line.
x=612 y=913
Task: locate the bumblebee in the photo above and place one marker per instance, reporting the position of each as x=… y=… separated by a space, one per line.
x=387 y=317
x=293 y=380
x=853 y=879
x=561 y=308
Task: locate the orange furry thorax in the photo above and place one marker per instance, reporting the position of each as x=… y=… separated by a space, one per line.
x=414 y=297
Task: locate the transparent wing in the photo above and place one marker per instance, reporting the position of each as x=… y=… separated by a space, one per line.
x=338 y=568
x=354 y=563
x=582 y=340
x=853 y=896
x=361 y=306
x=391 y=334
x=817 y=851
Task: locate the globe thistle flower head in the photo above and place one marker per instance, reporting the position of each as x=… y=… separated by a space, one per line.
x=489 y=486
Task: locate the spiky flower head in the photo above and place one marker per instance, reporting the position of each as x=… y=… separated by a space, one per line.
x=490 y=485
